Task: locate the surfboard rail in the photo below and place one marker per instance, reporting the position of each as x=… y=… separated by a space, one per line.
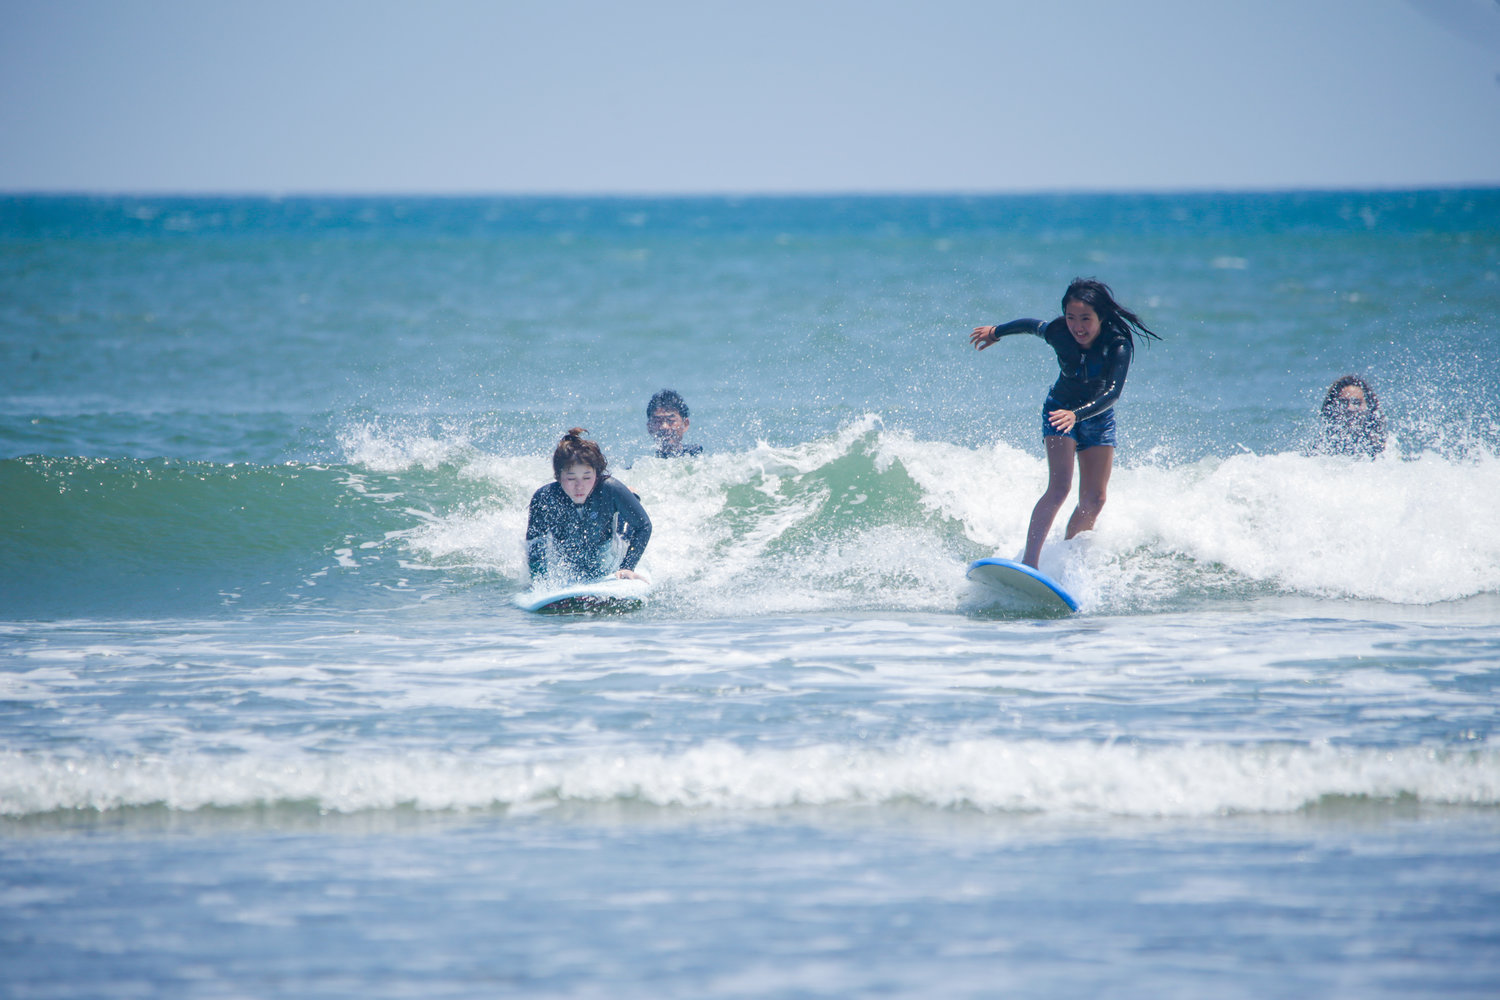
x=1022 y=583
x=595 y=596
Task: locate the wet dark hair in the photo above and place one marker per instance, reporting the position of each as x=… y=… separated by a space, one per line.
x=1347 y=431
x=1112 y=316
x=667 y=399
x=1331 y=402
x=575 y=449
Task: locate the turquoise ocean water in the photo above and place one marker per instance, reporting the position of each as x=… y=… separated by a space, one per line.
x=270 y=726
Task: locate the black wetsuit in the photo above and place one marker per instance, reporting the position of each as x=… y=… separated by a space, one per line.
x=574 y=540
x=681 y=451
x=1090 y=381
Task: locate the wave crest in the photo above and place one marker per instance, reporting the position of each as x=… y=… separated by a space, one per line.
x=988 y=775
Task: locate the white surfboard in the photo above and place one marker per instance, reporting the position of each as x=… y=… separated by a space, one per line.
x=1022 y=587
x=611 y=595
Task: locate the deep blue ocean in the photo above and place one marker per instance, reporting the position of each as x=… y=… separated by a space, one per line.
x=271 y=726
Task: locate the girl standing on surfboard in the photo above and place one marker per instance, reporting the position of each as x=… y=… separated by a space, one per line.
x=575 y=519
x=1094 y=339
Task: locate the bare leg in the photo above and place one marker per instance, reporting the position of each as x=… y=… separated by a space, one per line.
x=1060 y=452
x=1094 y=467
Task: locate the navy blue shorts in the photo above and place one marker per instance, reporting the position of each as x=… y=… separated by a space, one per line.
x=1096 y=430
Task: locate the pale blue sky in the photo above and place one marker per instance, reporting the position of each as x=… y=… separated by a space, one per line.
x=574 y=96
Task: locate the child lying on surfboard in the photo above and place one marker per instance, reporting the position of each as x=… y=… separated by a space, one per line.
x=575 y=519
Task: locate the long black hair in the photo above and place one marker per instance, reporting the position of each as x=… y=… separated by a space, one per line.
x=1112 y=316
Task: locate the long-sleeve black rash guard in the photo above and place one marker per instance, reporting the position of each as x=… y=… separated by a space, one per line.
x=574 y=539
x=1090 y=381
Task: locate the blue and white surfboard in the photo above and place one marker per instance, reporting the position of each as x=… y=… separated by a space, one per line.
x=600 y=596
x=1022 y=587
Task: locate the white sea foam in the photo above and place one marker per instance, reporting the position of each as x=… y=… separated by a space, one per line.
x=382 y=450
x=784 y=528
x=990 y=775
x=1401 y=531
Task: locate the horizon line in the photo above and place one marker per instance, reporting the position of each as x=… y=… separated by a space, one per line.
x=272 y=194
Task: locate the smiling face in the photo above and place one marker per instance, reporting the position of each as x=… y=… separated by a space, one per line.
x=578 y=481
x=1083 y=322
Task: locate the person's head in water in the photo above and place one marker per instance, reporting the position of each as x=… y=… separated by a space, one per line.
x=667 y=421
x=1352 y=421
x=1089 y=308
x=578 y=464
x=1349 y=396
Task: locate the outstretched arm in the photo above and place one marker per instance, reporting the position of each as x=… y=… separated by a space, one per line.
x=984 y=336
